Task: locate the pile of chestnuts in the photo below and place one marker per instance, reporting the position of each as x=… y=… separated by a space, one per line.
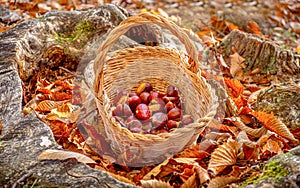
x=150 y=111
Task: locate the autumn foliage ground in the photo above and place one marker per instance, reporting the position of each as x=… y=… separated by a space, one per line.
x=227 y=152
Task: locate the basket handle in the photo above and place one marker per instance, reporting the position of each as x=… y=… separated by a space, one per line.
x=124 y=26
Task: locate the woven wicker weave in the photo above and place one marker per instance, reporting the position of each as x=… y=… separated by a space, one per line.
x=126 y=69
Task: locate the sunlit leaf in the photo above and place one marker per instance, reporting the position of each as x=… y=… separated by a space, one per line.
x=202 y=174
x=47 y=105
x=155 y=183
x=221 y=181
x=235 y=86
x=225 y=155
x=240 y=101
x=190 y=182
x=236 y=173
x=121 y=178
x=65 y=85
x=60 y=96
x=256 y=133
x=193 y=152
x=236 y=66
x=274 y=124
x=272 y=146
x=52 y=154
x=254 y=28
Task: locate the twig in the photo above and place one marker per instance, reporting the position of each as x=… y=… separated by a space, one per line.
x=21 y=179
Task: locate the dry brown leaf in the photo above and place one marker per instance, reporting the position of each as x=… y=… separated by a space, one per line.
x=202 y=174
x=272 y=146
x=47 y=105
x=234 y=176
x=52 y=154
x=120 y=178
x=254 y=28
x=155 y=183
x=236 y=66
x=155 y=171
x=225 y=155
x=190 y=182
x=274 y=124
x=256 y=133
x=221 y=181
x=235 y=87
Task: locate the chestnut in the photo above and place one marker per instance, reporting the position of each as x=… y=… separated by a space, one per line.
x=134 y=124
x=120 y=98
x=147 y=126
x=132 y=94
x=156 y=105
x=174 y=114
x=169 y=106
x=172 y=91
x=118 y=111
x=172 y=99
x=142 y=112
x=159 y=120
x=179 y=104
x=133 y=102
x=137 y=130
x=172 y=124
x=155 y=95
x=144 y=87
x=186 y=119
x=121 y=121
x=130 y=118
x=144 y=96
x=126 y=110
x=122 y=110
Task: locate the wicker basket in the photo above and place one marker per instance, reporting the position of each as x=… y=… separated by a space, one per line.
x=126 y=69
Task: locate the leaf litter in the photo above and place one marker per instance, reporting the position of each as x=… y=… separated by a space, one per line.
x=224 y=151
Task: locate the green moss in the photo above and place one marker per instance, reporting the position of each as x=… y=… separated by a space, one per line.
x=272 y=170
x=78 y=37
x=271 y=65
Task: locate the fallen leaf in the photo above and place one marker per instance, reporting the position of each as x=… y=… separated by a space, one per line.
x=221 y=181
x=254 y=28
x=272 y=146
x=274 y=124
x=256 y=133
x=236 y=66
x=53 y=154
x=47 y=105
x=155 y=183
x=202 y=174
x=225 y=155
x=190 y=182
x=236 y=88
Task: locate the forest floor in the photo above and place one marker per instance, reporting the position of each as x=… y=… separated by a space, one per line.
x=228 y=152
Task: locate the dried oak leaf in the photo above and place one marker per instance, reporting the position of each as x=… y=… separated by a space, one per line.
x=225 y=155
x=52 y=154
x=274 y=124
